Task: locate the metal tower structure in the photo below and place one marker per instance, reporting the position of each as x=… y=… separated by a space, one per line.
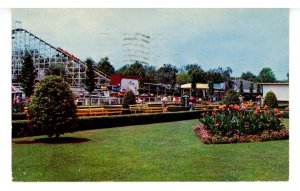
x=45 y=55
x=136 y=47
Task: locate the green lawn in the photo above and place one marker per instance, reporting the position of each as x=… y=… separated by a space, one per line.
x=154 y=152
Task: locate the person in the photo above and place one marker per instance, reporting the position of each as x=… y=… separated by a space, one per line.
x=139 y=100
x=164 y=101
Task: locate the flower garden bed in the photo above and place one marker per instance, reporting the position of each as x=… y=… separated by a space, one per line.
x=232 y=124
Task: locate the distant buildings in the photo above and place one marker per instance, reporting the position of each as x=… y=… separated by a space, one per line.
x=281 y=90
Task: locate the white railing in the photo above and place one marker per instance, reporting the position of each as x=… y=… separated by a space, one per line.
x=99 y=101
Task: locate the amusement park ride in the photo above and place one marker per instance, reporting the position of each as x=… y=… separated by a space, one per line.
x=45 y=55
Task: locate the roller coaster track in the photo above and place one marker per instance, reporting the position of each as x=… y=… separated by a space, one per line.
x=44 y=55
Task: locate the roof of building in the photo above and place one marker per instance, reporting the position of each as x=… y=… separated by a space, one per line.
x=273 y=83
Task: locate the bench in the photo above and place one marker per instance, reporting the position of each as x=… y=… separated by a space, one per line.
x=139 y=108
x=106 y=111
x=98 y=111
x=83 y=112
x=200 y=108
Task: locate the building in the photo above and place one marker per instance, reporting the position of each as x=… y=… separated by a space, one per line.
x=281 y=90
x=219 y=89
x=246 y=85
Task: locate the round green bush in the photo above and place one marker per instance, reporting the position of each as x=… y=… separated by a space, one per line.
x=129 y=98
x=52 y=109
x=231 y=97
x=271 y=100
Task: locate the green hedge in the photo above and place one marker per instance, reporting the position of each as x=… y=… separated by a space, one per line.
x=172 y=109
x=21 y=128
x=19 y=116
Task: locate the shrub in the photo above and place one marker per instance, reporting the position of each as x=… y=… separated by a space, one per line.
x=231 y=97
x=52 y=108
x=271 y=100
x=129 y=98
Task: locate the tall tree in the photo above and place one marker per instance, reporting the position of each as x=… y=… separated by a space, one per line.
x=251 y=90
x=220 y=75
x=136 y=69
x=90 y=76
x=266 y=75
x=241 y=88
x=258 y=89
x=196 y=74
x=122 y=69
x=27 y=74
x=248 y=76
x=150 y=73
x=182 y=78
x=56 y=69
x=105 y=66
x=167 y=74
x=210 y=89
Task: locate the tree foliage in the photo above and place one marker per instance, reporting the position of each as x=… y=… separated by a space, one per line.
x=122 y=69
x=210 y=88
x=266 y=75
x=56 y=69
x=258 y=89
x=220 y=75
x=251 y=90
x=231 y=97
x=136 y=69
x=182 y=78
x=105 y=66
x=52 y=107
x=90 y=76
x=150 y=73
x=27 y=74
x=271 y=100
x=241 y=87
x=249 y=76
x=167 y=74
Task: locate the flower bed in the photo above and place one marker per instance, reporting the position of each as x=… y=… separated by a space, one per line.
x=232 y=124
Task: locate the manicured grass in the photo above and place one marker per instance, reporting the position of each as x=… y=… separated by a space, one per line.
x=155 y=152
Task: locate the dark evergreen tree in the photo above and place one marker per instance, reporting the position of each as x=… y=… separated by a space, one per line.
x=241 y=88
x=90 y=76
x=27 y=74
x=210 y=89
x=105 y=66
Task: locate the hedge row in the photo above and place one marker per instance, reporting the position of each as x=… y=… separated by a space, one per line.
x=172 y=109
x=19 y=116
x=21 y=128
x=22 y=116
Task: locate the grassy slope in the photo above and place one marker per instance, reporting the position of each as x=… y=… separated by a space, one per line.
x=155 y=152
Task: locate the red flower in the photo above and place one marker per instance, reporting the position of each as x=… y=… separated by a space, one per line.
x=236 y=107
x=257 y=109
x=275 y=110
x=266 y=107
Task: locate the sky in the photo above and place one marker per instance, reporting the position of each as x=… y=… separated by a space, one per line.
x=243 y=39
